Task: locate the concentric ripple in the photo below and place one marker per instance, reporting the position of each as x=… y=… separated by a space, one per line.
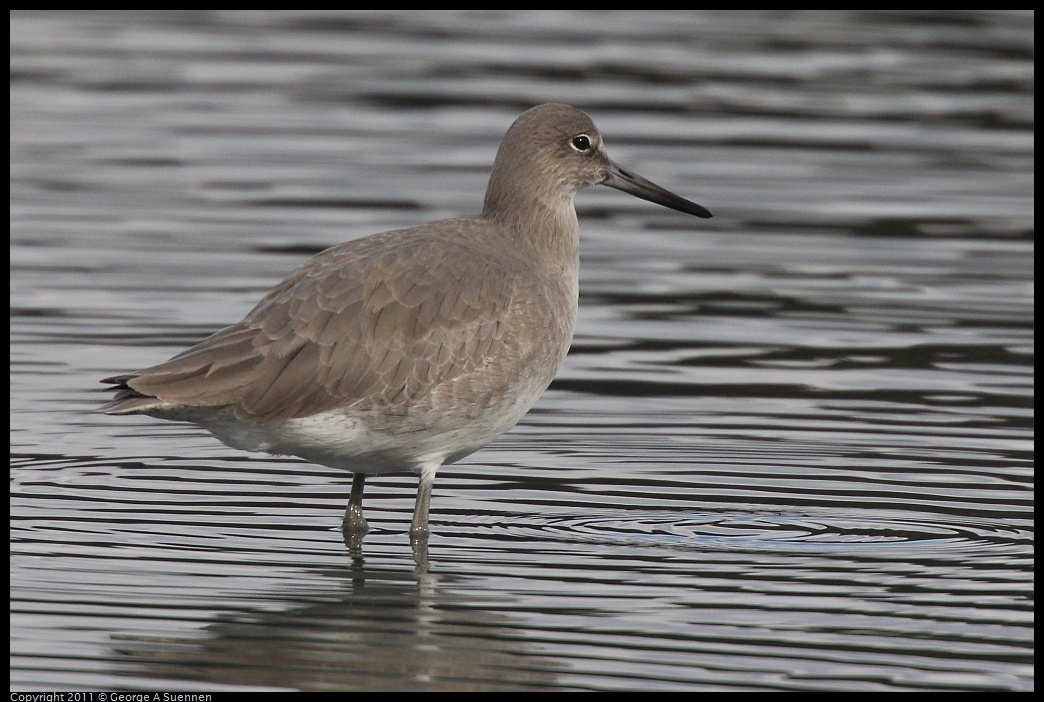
x=758 y=531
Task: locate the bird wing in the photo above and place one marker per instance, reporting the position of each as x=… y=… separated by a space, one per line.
x=374 y=322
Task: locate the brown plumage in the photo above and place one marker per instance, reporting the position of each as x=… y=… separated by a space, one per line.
x=412 y=348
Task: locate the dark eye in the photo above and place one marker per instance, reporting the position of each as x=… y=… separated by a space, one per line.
x=581 y=142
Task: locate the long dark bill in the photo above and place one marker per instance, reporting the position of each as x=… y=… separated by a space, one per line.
x=625 y=180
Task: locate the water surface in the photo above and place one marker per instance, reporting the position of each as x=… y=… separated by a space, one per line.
x=791 y=448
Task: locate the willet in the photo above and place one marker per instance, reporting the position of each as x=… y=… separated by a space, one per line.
x=409 y=349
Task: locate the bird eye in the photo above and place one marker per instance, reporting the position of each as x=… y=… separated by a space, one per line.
x=581 y=142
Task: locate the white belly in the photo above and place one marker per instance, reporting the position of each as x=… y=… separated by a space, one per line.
x=367 y=442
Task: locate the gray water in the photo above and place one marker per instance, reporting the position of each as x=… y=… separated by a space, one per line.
x=791 y=447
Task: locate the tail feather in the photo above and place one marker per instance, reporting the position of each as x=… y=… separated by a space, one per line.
x=127 y=399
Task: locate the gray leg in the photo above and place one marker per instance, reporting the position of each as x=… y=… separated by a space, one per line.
x=354 y=522
x=419 y=526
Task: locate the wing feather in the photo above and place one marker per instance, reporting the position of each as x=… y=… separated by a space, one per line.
x=372 y=322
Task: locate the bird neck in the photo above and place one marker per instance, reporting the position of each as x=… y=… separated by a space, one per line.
x=541 y=224
x=543 y=229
